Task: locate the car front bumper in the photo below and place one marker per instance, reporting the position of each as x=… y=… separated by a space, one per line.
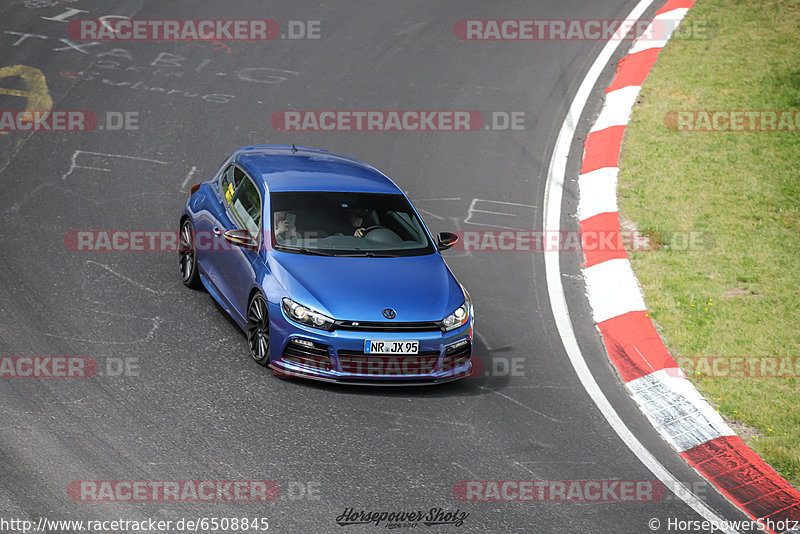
x=338 y=356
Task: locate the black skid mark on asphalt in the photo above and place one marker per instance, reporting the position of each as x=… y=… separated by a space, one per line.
x=623 y=359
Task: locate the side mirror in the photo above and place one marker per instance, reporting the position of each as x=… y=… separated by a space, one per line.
x=241 y=238
x=446 y=240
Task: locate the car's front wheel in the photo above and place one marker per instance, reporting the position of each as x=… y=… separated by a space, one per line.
x=258 y=329
x=188 y=256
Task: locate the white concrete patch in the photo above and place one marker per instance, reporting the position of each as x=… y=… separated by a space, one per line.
x=554 y=190
x=663 y=26
x=612 y=289
x=617 y=108
x=680 y=414
x=598 y=192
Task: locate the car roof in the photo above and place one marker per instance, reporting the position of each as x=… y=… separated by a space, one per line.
x=289 y=168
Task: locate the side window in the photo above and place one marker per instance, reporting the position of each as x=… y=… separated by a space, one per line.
x=230 y=181
x=246 y=207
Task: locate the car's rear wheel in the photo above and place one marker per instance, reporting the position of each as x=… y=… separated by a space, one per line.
x=258 y=329
x=188 y=256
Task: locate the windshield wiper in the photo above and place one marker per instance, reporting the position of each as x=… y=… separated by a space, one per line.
x=367 y=254
x=356 y=254
x=310 y=252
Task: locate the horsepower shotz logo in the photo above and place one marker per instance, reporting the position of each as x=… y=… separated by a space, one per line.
x=434 y=516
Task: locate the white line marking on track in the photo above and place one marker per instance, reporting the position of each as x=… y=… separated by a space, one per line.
x=483 y=340
x=188 y=177
x=415 y=417
x=127 y=279
x=477 y=215
x=506 y=203
x=426 y=212
x=518 y=403
x=74 y=165
x=456 y=464
x=495 y=226
x=554 y=189
x=495 y=213
x=149 y=336
x=526 y=469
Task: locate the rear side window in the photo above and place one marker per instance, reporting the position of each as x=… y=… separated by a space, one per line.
x=231 y=179
x=246 y=207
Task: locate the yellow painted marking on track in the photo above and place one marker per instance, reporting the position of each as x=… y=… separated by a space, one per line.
x=37 y=94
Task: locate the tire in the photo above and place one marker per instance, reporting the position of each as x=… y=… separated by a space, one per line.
x=187 y=252
x=258 y=329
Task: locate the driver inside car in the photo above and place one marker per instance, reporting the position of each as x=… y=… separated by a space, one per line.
x=350 y=223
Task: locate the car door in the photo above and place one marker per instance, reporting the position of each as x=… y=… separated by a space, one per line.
x=236 y=267
x=207 y=239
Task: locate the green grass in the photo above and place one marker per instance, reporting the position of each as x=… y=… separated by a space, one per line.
x=741 y=190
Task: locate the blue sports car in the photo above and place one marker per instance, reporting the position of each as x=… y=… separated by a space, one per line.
x=328 y=268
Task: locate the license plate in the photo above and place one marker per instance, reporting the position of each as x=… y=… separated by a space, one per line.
x=391 y=347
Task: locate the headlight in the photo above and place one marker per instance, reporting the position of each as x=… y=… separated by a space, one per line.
x=460 y=317
x=306 y=316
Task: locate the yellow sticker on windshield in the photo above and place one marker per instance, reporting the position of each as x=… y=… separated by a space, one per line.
x=229 y=193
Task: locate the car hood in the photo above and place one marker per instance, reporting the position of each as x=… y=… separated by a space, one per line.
x=418 y=288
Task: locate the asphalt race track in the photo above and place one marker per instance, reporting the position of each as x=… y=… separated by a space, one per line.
x=191 y=405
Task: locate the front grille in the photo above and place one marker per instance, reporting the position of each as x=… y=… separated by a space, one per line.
x=376 y=326
x=315 y=357
x=457 y=357
x=353 y=361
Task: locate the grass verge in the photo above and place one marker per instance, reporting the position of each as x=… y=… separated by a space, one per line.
x=736 y=291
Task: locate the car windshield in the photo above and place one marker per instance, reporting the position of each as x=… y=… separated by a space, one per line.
x=347 y=224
